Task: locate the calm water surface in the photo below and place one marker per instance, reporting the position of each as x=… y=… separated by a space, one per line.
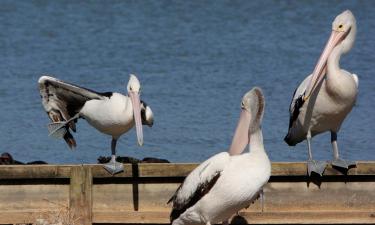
x=195 y=60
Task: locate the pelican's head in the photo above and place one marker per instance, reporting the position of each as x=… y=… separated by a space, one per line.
x=253 y=103
x=134 y=88
x=343 y=35
x=345 y=24
x=252 y=110
x=133 y=84
x=344 y=21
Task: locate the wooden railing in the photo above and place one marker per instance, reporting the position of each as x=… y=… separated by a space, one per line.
x=87 y=194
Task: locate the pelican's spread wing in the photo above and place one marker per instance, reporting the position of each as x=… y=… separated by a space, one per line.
x=62 y=101
x=297 y=100
x=198 y=183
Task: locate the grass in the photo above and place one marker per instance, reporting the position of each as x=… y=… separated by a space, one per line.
x=61 y=216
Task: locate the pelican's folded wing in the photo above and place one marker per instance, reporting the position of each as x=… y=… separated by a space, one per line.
x=297 y=100
x=198 y=183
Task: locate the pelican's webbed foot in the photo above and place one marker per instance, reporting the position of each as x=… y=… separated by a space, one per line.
x=113 y=166
x=342 y=163
x=59 y=129
x=316 y=166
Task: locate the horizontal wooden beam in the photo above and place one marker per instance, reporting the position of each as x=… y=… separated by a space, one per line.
x=247 y=217
x=34 y=171
x=163 y=170
x=161 y=217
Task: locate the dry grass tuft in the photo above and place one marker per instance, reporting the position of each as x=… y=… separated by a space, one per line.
x=61 y=216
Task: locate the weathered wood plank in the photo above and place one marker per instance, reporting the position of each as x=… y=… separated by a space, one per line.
x=327 y=196
x=162 y=170
x=333 y=217
x=39 y=197
x=149 y=197
x=148 y=170
x=183 y=169
x=80 y=199
x=278 y=197
x=300 y=169
x=34 y=171
x=162 y=217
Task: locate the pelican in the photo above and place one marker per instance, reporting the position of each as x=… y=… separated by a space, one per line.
x=111 y=113
x=323 y=100
x=228 y=181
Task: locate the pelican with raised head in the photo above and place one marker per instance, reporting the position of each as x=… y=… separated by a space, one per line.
x=228 y=181
x=111 y=113
x=323 y=100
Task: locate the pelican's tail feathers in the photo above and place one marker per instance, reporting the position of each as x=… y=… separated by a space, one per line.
x=69 y=139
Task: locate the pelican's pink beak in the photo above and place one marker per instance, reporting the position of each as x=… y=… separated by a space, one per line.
x=136 y=102
x=241 y=136
x=320 y=68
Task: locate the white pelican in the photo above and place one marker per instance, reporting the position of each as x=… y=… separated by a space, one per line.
x=110 y=113
x=228 y=181
x=323 y=100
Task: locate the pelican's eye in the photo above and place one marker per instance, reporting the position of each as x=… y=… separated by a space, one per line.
x=242 y=105
x=340 y=26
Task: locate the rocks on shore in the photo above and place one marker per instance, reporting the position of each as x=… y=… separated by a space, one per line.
x=7 y=159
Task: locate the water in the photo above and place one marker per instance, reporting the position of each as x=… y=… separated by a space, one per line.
x=195 y=60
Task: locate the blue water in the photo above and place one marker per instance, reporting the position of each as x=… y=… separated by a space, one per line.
x=195 y=60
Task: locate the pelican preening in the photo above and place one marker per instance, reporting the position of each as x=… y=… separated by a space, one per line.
x=110 y=113
x=323 y=100
x=227 y=182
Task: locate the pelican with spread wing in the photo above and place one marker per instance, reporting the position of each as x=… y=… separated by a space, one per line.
x=109 y=112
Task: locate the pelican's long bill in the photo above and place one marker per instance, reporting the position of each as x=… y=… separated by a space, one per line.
x=320 y=68
x=136 y=102
x=241 y=136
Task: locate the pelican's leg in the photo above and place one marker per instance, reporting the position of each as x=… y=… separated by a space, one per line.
x=336 y=159
x=313 y=165
x=58 y=129
x=113 y=166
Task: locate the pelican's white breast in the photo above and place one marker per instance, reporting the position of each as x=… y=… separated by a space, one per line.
x=112 y=116
x=333 y=104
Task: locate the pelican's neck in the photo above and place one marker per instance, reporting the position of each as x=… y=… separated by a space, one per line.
x=333 y=62
x=256 y=141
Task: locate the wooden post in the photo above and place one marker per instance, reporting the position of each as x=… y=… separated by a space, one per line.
x=80 y=199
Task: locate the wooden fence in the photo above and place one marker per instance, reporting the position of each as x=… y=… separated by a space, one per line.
x=87 y=194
